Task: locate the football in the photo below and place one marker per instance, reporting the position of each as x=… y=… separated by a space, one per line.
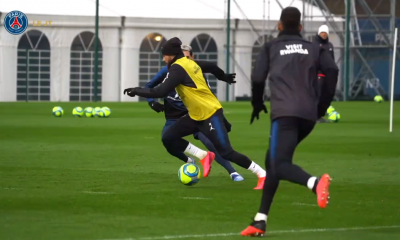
x=330 y=110
x=378 y=99
x=96 y=111
x=77 y=112
x=88 y=112
x=58 y=111
x=189 y=174
x=334 y=117
x=104 y=112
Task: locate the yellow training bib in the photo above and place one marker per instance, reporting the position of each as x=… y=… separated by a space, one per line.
x=200 y=101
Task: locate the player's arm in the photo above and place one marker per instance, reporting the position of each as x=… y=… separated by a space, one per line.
x=175 y=77
x=259 y=75
x=331 y=71
x=209 y=67
x=156 y=80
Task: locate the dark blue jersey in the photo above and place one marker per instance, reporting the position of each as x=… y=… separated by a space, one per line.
x=173 y=105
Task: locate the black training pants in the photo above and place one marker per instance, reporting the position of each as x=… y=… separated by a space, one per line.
x=214 y=128
x=320 y=83
x=286 y=134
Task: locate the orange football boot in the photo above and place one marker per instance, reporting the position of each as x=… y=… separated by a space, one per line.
x=323 y=190
x=260 y=184
x=256 y=229
x=207 y=162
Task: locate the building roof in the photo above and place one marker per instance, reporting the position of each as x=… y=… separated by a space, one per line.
x=178 y=9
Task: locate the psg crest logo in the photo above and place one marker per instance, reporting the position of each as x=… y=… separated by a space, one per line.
x=15 y=22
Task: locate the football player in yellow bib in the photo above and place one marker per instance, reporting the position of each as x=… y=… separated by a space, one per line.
x=205 y=113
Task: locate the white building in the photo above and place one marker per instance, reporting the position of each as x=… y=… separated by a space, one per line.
x=61 y=54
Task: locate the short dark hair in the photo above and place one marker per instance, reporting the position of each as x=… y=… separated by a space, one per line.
x=290 y=18
x=191 y=52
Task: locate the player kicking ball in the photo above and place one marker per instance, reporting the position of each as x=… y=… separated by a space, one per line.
x=292 y=64
x=174 y=109
x=205 y=113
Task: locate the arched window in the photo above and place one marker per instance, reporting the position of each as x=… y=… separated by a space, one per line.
x=150 y=58
x=33 y=67
x=205 y=49
x=82 y=68
x=257 y=46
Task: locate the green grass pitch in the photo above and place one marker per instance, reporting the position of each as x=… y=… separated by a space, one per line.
x=92 y=179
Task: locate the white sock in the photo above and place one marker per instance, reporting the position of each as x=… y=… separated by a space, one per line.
x=260 y=217
x=255 y=168
x=311 y=182
x=195 y=151
x=190 y=160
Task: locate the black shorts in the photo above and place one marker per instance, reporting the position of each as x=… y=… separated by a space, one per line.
x=214 y=128
x=286 y=134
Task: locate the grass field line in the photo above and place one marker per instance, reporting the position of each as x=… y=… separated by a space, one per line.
x=304 y=204
x=268 y=233
x=197 y=198
x=93 y=192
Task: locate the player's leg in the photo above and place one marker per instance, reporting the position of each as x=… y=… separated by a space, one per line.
x=286 y=134
x=259 y=225
x=319 y=186
x=190 y=149
x=179 y=155
x=284 y=140
x=195 y=151
x=289 y=132
x=173 y=136
x=298 y=129
x=214 y=129
x=282 y=143
x=223 y=162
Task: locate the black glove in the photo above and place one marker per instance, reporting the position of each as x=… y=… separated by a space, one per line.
x=257 y=108
x=156 y=106
x=130 y=92
x=229 y=78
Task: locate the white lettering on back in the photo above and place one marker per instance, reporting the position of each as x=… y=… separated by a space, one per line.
x=293 y=48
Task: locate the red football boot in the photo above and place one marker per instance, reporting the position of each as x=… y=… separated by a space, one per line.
x=260 y=184
x=256 y=229
x=323 y=191
x=207 y=162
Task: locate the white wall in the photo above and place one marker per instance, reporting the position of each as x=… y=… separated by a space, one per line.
x=60 y=42
x=60 y=38
x=8 y=66
x=121 y=58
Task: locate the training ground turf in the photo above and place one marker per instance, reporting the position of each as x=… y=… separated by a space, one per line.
x=93 y=179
